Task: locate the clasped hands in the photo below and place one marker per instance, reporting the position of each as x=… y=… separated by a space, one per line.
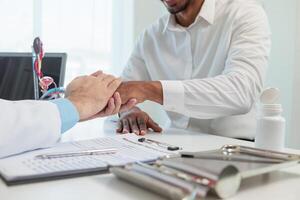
x=100 y=95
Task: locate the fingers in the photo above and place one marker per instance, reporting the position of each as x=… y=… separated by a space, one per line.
x=108 y=78
x=110 y=107
x=114 y=84
x=133 y=125
x=100 y=76
x=142 y=126
x=119 y=126
x=113 y=106
x=97 y=73
x=136 y=121
x=118 y=103
x=79 y=77
x=125 y=124
x=137 y=126
x=107 y=110
x=129 y=105
x=111 y=82
x=128 y=125
x=154 y=126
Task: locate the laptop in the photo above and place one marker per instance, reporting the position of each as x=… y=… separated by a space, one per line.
x=16 y=76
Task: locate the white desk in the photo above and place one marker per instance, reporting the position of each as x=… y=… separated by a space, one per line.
x=279 y=185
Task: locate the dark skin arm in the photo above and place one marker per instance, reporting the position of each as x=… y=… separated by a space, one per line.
x=135 y=120
x=141 y=91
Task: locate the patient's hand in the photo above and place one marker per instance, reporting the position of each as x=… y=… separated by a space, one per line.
x=136 y=121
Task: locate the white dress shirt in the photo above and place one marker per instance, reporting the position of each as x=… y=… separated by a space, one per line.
x=212 y=71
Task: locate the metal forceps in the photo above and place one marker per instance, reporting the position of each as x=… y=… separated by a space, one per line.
x=243 y=154
x=236 y=149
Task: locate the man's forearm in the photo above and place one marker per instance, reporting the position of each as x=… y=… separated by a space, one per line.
x=153 y=91
x=142 y=91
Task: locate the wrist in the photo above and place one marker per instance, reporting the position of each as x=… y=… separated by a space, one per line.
x=141 y=91
x=68 y=113
x=77 y=105
x=153 y=91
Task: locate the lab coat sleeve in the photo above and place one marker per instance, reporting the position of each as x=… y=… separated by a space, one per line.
x=236 y=89
x=28 y=125
x=68 y=113
x=136 y=69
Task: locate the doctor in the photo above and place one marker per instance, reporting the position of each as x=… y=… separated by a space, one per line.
x=205 y=62
x=28 y=125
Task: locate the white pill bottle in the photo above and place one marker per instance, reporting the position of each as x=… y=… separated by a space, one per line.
x=270 y=131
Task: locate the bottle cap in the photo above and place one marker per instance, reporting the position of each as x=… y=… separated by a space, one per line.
x=270 y=96
x=271 y=108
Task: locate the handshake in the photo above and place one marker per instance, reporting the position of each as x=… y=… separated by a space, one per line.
x=101 y=95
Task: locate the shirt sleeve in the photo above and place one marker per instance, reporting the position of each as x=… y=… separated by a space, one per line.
x=68 y=113
x=236 y=89
x=136 y=68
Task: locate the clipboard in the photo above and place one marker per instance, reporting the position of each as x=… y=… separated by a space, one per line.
x=221 y=171
x=78 y=158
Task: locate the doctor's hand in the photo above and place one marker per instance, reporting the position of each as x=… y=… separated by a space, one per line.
x=136 y=121
x=91 y=94
x=114 y=106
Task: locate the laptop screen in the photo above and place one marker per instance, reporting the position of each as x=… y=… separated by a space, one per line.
x=16 y=76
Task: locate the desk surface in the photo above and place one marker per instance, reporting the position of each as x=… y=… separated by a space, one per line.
x=283 y=184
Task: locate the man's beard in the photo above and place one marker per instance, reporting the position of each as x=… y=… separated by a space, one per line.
x=180 y=9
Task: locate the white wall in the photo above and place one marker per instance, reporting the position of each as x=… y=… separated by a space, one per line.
x=295 y=133
x=145 y=13
x=283 y=20
x=123 y=33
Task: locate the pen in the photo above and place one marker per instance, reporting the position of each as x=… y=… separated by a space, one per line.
x=169 y=147
x=78 y=153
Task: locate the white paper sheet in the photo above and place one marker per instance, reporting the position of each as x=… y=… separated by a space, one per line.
x=129 y=150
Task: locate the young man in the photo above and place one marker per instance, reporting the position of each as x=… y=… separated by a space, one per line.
x=205 y=63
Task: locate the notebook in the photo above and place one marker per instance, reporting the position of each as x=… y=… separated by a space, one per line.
x=28 y=167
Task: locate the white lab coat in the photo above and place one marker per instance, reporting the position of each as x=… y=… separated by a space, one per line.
x=27 y=125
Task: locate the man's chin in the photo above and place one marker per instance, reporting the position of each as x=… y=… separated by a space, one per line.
x=179 y=9
x=173 y=11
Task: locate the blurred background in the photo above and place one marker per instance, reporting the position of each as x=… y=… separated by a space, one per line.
x=100 y=34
